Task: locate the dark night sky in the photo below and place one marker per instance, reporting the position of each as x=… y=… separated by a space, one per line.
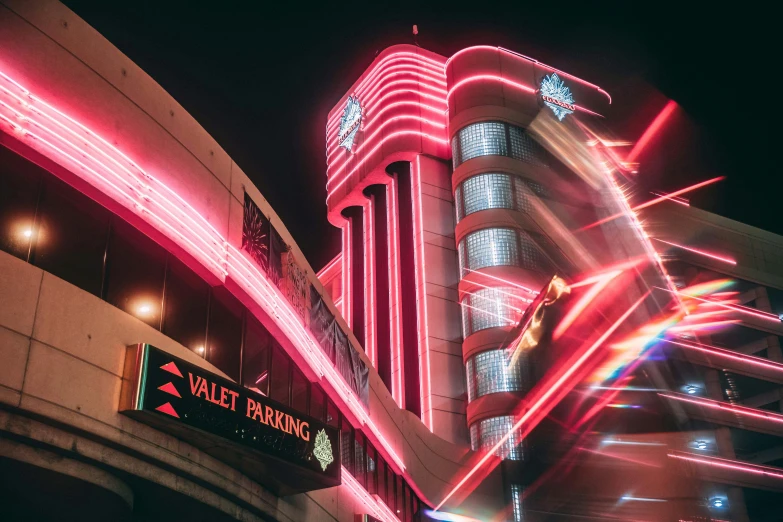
x=261 y=77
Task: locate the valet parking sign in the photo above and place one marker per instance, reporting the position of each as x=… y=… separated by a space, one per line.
x=182 y=393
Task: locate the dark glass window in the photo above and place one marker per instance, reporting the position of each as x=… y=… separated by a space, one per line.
x=372 y=479
x=299 y=388
x=390 y=489
x=382 y=479
x=408 y=505
x=346 y=440
x=360 y=465
x=332 y=413
x=258 y=349
x=317 y=402
x=135 y=268
x=399 y=497
x=185 y=306
x=71 y=237
x=280 y=376
x=225 y=332
x=20 y=183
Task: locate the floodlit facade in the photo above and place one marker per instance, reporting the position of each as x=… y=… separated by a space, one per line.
x=169 y=353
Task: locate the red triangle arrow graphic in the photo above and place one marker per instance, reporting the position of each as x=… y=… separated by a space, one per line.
x=168 y=409
x=171 y=368
x=170 y=389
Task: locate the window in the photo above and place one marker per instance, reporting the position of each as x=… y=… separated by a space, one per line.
x=135 y=271
x=280 y=376
x=494 y=138
x=258 y=350
x=482 y=139
x=491 y=308
x=489 y=372
x=382 y=480
x=71 y=238
x=346 y=441
x=225 y=332
x=500 y=247
x=299 y=388
x=488 y=432
x=372 y=479
x=20 y=184
x=317 y=402
x=487 y=191
x=360 y=466
x=332 y=414
x=516 y=501
x=185 y=307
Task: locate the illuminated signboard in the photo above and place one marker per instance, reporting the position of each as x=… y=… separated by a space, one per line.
x=274 y=444
x=350 y=122
x=557 y=96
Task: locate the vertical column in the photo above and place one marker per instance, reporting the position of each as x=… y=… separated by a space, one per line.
x=408 y=305
x=377 y=194
x=393 y=227
x=355 y=263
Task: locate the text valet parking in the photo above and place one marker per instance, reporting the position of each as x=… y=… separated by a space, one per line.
x=168 y=392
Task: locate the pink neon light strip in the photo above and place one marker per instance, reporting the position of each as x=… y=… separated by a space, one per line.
x=700 y=252
x=375 y=506
x=371 y=139
x=330 y=266
x=415 y=60
x=484 y=274
x=728 y=306
x=367 y=156
x=369 y=287
x=734 y=465
x=347 y=280
x=505 y=81
x=421 y=298
x=529 y=59
x=728 y=354
x=727 y=407
x=392 y=212
x=232 y=262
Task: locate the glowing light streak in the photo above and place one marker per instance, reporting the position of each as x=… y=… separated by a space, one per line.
x=686 y=328
x=544 y=401
x=651 y=131
x=696 y=251
x=734 y=307
x=500 y=291
x=516 y=285
x=630 y=443
x=717 y=462
x=580 y=306
x=726 y=407
x=655 y=201
x=721 y=353
x=480 y=310
x=448 y=517
x=625 y=388
x=495 y=301
x=640 y=499
x=681 y=201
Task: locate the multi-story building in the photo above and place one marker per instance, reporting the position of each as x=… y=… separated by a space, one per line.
x=458 y=195
x=168 y=352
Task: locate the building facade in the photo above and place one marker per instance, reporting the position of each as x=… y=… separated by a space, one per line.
x=168 y=352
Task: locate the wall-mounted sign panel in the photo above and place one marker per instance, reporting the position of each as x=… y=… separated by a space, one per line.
x=279 y=447
x=557 y=96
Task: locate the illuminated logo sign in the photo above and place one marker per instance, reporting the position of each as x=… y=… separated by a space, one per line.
x=349 y=123
x=291 y=450
x=557 y=96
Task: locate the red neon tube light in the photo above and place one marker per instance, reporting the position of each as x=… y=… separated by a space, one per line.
x=696 y=251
